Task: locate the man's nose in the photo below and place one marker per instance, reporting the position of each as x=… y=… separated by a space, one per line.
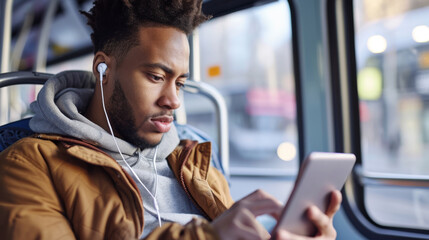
x=169 y=98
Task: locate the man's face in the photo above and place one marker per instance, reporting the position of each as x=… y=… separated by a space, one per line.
x=146 y=86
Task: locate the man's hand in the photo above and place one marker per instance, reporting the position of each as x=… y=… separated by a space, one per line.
x=239 y=221
x=323 y=222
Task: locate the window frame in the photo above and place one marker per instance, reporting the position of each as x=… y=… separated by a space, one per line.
x=341 y=39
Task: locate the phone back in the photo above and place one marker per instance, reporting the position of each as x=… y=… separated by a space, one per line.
x=320 y=174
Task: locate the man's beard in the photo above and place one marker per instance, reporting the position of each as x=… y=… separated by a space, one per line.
x=122 y=119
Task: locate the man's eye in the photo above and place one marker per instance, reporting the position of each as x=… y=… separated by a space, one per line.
x=155 y=78
x=180 y=85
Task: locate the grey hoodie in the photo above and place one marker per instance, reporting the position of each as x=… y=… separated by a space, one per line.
x=58 y=110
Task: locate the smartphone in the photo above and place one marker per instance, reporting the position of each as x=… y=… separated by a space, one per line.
x=320 y=174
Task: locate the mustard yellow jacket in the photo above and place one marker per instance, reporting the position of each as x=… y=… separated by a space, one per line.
x=52 y=187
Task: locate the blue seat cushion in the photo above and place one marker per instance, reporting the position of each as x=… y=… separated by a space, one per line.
x=12 y=132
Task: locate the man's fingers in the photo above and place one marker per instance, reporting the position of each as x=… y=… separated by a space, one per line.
x=334 y=204
x=265 y=206
x=260 y=202
x=318 y=218
x=322 y=222
x=250 y=227
x=239 y=223
x=285 y=235
x=260 y=194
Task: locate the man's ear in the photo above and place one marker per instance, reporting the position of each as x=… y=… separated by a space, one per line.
x=101 y=57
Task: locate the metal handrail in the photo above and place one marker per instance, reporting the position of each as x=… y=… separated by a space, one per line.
x=394 y=179
x=5 y=33
x=22 y=38
x=214 y=95
x=43 y=44
x=22 y=77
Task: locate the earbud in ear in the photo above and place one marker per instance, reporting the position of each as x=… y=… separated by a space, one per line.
x=101 y=68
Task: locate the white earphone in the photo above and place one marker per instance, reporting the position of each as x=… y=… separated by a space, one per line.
x=101 y=68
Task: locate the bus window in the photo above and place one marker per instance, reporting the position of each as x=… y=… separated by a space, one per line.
x=392 y=54
x=66 y=37
x=247 y=56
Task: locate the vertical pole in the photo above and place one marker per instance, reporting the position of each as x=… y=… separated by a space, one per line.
x=195 y=56
x=42 y=47
x=5 y=36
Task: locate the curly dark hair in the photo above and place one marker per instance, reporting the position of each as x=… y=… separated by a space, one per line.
x=115 y=23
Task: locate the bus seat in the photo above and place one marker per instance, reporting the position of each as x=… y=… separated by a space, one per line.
x=13 y=131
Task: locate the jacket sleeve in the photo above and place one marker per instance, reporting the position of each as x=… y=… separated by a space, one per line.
x=29 y=205
x=198 y=228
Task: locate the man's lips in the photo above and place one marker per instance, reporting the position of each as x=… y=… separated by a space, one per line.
x=162 y=123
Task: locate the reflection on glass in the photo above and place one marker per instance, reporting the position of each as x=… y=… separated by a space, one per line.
x=393 y=84
x=392 y=53
x=247 y=56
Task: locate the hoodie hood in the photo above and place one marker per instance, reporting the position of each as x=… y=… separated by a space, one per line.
x=59 y=107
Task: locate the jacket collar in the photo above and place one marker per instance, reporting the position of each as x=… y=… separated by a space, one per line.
x=190 y=163
x=87 y=152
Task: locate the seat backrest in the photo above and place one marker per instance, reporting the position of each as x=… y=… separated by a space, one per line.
x=12 y=132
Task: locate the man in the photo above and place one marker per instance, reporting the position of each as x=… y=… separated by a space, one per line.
x=73 y=179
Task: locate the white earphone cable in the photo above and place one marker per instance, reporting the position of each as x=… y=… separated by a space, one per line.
x=156 y=171
x=122 y=156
